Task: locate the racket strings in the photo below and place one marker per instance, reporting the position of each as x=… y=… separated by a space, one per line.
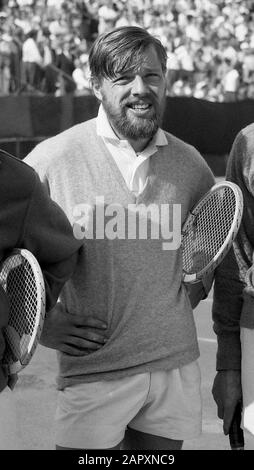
x=21 y=290
x=208 y=231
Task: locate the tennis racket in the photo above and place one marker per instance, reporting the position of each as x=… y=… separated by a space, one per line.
x=210 y=230
x=22 y=280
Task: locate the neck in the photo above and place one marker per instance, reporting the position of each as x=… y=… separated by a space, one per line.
x=139 y=145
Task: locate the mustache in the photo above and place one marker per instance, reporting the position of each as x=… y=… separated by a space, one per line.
x=146 y=99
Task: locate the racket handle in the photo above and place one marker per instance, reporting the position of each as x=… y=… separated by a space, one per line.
x=236 y=435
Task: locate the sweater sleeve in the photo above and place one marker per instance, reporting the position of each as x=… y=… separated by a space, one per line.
x=233 y=302
x=48 y=235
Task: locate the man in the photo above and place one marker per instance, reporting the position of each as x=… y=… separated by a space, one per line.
x=234 y=298
x=30 y=219
x=32 y=62
x=140 y=388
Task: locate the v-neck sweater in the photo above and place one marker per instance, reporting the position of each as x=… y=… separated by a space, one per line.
x=132 y=284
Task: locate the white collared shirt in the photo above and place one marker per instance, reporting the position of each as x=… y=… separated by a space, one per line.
x=134 y=167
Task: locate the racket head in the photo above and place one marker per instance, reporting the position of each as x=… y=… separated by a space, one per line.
x=23 y=282
x=210 y=229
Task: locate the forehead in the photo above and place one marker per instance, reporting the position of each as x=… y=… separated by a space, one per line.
x=147 y=59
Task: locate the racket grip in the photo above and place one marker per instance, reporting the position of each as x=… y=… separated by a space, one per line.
x=236 y=435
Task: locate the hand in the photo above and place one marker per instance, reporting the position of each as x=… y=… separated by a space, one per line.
x=227 y=392
x=72 y=334
x=196 y=293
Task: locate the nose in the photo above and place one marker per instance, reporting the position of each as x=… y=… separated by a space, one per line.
x=138 y=86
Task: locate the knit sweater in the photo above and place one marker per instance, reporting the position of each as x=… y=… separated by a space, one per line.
x=233 y=304
x=129 y=282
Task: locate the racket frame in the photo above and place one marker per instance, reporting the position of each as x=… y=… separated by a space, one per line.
x=21 y=254
x=196 y=277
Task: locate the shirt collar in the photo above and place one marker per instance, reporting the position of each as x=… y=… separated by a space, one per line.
x=105 y=130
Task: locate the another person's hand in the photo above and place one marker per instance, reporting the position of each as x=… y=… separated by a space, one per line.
x=227 y=392
x=196 y=293
x=199 y=290
x=75 y=335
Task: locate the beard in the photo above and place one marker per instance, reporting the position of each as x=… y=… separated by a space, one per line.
x=129 y=126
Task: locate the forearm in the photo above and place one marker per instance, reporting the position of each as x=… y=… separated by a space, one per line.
x=56 y=276
x=226 y=312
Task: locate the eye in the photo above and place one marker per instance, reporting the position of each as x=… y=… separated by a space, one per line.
x=153 y=77
x=123 y=79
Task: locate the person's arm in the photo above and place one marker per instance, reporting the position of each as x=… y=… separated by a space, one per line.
x=48 y=234
x=226 y=311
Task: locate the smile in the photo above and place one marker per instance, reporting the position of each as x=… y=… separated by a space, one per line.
x=140 y=109
x=140 y=106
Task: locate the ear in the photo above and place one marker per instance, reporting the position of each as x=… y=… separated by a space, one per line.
x=96 y=86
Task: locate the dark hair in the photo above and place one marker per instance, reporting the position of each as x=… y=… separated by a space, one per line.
x=122 y=48
x=33 y=33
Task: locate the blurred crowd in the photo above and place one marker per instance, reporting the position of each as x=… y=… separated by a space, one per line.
x=44 y=44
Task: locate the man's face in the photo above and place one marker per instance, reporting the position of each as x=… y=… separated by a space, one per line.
x=134 y=100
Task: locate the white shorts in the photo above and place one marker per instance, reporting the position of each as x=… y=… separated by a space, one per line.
x=8 y=421
x=247 y=344
x=164 y=403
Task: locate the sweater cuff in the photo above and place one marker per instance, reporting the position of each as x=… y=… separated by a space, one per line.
x=229 y=351
x=247 y=314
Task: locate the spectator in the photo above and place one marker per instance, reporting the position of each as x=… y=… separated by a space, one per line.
x=89 y=23
x=16 y=58
x=32 y=62
x=231 y=81
x=65 y=63
x=172 y=68
x=221 y=30
x=186 y=60
x=5 y=53
x=107 y=14
x=81 y=75
x=49 y=74
x=250 y=88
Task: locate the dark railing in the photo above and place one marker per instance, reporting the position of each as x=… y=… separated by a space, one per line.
x=210 y=127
